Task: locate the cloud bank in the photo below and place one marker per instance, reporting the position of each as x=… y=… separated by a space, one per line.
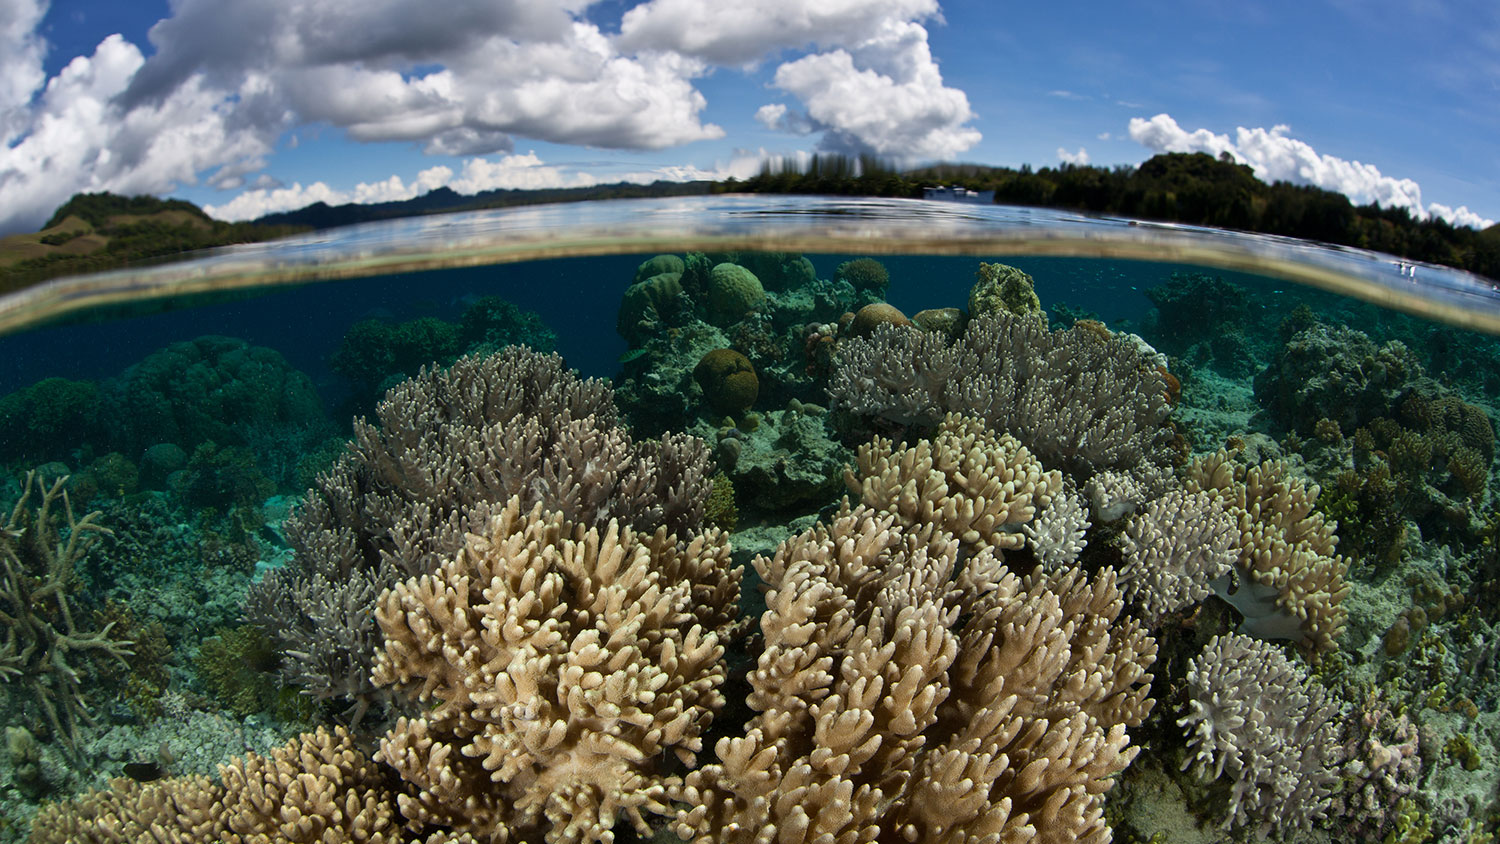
x=226 y=82
x=1274 y=156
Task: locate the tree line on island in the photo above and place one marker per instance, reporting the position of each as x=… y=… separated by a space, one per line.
x=1193 y=188
x=103 y=231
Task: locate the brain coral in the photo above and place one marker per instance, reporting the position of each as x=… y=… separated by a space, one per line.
x=728 y=381
x=647 y=303
x=652 y=267
x=733 y=291
x=875 y=314
x=999 y=287
x=864 y=274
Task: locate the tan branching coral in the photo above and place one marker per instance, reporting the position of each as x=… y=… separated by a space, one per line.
x=316 y=789
x=556 y=663
x=1285 y=544
x=44 y=645
x=452 y=445
x=899 y=700
x=967 y=480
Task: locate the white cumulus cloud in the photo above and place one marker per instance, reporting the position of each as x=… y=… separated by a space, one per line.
x=745 y=31
x=884 y=95
x=1276 y=156
x=1079 y=157
x=226 y=81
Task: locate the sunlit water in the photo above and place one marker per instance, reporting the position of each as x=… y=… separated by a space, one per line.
x=196 y=503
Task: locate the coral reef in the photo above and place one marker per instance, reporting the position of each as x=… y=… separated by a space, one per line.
x=1174 y=548
x=785 y=462
x=1080 y=401
x=964 y=480
x=1292 y=578
x=555 y=664
x=866 y=274
x=1256 y=719
x=217 y=389
x=1337 y=373
x=1001 y=287
x=733 y=292
x=46 y=649
x=899 y=697
x=728 y=382
x=452 y=445
x=317 y=788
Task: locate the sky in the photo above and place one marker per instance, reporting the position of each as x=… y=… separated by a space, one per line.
x=247 y=107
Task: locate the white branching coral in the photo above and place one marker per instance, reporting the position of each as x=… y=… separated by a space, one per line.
x=1174 y=548
x=1256 y=718
x=1056 y=534
x=557 y=663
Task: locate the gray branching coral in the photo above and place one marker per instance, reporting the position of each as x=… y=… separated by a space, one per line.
x=40 y=544
x=1173 y=550
x=1256 y=717
x=452 y=446
x=1081 y=400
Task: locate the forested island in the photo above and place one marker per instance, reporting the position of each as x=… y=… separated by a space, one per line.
x=103 y=231
x=1191 y=188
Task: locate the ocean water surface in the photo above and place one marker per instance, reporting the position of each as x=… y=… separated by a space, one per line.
x=752 y=519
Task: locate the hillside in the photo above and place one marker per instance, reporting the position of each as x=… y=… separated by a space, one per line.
x=443 y=200
x=100 y=231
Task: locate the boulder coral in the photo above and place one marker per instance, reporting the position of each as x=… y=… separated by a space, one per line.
x=875 y=314
x=1000 y=287
x=648 y=303
x=733 y=292
x=728 y=381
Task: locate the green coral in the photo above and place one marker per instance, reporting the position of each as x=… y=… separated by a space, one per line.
x=648 y=303
x=865 y=274
x=237 y=666
x=720 y=511
x=1000 y=287
x=733 y=292
x=659 y=265
x=728 y=381
x=1461 y=748
x=1413 y=824
x=49 y=419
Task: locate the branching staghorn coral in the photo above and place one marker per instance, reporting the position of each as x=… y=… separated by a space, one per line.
x=39 y=549
x=1257 y=717
x=317 y=789
x=1291 y=577
x=451 y=447
x=900 y=699
x=556 y=662
x=1080 y=400
x=965 y=480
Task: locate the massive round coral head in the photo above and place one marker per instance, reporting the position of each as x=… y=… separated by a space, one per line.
x=728 y=381
x=877 y=313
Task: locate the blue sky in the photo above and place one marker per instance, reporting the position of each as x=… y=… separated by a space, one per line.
x=265 y=105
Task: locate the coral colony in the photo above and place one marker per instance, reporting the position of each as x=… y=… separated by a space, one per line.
x=808 y=569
